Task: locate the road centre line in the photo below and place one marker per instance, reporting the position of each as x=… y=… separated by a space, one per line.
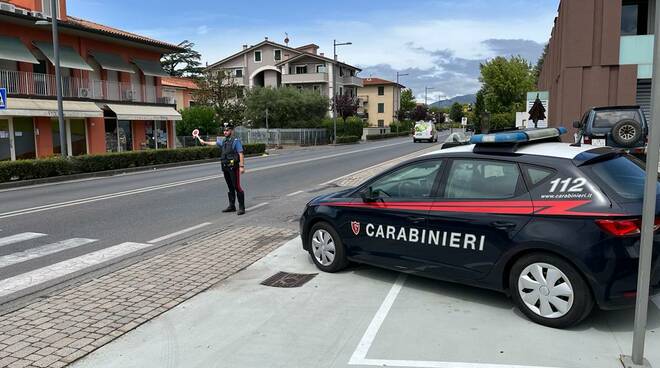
x=170 y=185
x=172 y=235
x=257 y=206
x=295 y=193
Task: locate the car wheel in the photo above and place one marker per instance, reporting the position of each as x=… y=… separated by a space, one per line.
x=326 y=248
x=414 y=140
x=627 y=133
x=550 y=291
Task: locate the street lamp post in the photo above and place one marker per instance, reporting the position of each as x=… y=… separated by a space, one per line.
x=334 y=88
x=426 y=91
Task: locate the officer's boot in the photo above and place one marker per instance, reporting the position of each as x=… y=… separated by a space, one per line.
x=241 y=203
x=232 y=203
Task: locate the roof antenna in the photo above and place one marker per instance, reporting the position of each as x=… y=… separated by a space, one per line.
x=286 y=39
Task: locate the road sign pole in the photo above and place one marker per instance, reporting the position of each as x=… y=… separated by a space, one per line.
x=648 y=218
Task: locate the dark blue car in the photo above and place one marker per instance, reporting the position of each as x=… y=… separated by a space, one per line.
x=555 y=226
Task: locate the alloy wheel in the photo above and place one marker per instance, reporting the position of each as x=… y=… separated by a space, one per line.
x=546 y=290
x=627 y=132
x=323 y=247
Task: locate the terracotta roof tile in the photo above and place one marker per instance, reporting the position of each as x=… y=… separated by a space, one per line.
x=373 y=81
x=179 y=82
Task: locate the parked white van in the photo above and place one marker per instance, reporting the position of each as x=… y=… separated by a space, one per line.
x=425 y=131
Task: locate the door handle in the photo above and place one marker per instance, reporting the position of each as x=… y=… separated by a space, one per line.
x=416 y=220
x=503 y=225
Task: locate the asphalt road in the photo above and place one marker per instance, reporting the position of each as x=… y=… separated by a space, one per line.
x=44 y=225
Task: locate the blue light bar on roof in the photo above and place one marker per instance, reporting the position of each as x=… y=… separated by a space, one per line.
x=520 y=136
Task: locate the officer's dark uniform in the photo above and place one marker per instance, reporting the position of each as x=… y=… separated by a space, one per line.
x=230 y=161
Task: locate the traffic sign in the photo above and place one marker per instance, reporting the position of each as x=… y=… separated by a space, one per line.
x=3 y=98
x=464 y=121
x=195 y=133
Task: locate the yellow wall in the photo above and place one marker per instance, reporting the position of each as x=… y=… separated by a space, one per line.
x=371 y=107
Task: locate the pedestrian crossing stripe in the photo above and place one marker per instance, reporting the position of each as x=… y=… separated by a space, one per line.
x=3 y=98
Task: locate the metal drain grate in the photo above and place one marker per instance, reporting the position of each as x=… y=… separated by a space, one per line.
x=288 y=280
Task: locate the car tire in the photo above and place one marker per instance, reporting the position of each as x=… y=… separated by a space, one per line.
x=414 y=140
x=326 y=248
x=565 y=303
x=627 y=133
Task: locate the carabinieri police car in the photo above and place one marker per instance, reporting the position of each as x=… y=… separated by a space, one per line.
x=554 y=225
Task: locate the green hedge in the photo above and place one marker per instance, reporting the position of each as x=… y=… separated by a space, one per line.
x=373 y=137
x=44 y=168
x=352 y=127
x=348 y=139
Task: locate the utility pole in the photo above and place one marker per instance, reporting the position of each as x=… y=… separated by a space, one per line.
x=426 y=92
x=267 y=131
x=334 y=87
x=396 y=88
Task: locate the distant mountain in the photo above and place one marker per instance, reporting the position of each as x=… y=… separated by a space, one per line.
x=465 y=99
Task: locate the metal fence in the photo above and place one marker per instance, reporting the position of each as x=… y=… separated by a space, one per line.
x=276 y=137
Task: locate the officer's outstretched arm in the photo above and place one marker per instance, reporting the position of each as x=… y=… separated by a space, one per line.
x=205 y=142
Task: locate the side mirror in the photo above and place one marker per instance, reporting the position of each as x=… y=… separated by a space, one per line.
x=577 y=124
x=368 y=196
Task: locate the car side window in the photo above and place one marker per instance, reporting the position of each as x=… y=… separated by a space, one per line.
x=412 y=181
x=482 y=179
x=537 y=174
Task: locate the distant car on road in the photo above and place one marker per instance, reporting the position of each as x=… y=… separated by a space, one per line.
x=555 y=226
x=425 y=131
x=614 y=126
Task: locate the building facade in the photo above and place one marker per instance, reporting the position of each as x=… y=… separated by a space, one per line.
x=269 y=64
x=600 y=53
x=179 y=91
x=379 y=101
x=111 y=82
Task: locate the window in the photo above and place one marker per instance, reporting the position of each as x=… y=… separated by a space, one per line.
x=300 y=88
x=301 y=69
x=482 y=179
x=381 y=91
x=341 y=72
x=317 y=88
x=381 y=123
x=634 y=17
x=257 y=56
x=277 y=54
x=623 y=175
x=320 y=68
x=537 y=174
x=341 y=91
x=607 y=119
x=78 y=134
x=412 y=181
x=238 y=73
x=381 y=108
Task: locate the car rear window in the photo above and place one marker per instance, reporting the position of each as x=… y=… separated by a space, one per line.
x=624 y=175
x=607 y=119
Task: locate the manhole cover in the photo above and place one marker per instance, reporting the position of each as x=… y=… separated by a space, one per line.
x=288 y=280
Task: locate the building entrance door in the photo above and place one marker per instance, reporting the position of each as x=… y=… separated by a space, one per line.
x=6 y=144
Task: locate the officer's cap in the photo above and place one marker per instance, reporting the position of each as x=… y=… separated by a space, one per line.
x=228 y=125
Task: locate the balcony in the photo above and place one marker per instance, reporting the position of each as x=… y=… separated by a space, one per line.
x=43 y=85
x=305 y=78
x=352 y=81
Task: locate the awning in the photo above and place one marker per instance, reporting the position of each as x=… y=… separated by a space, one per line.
x=69 y=57
x=150 y=67
x=112 y=62
x=48 y=108
x=137 y=112
x=11 y=48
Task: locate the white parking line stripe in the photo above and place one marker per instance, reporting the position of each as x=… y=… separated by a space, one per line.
x=360 y=353
x=172 y=235
x=43 y=250
x=53 y=272
x=256 y=206
x=433 y=364
x=19 y=238
x=295 y=193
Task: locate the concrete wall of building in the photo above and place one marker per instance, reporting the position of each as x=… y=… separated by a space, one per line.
x=388 y=99
x=581 y=69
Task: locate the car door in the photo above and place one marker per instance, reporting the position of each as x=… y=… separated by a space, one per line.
x=483 y=204
x=387 y=229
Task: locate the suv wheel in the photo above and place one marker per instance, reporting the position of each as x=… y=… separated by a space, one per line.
x=326 y=248
x=550 y=291
x=627 y=133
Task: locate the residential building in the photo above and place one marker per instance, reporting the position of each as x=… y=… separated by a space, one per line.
x=379 y=101
x=269 y=64
x=111 y=82
x=600 y=53
x=179 y=91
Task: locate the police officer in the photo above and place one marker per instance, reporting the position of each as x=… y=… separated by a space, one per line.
x=233 y=165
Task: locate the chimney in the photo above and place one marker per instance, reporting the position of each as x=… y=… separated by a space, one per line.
x=323 y=54
x=245 y=47
x=266 y=38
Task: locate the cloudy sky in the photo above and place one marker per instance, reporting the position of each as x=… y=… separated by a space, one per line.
x=439 y=43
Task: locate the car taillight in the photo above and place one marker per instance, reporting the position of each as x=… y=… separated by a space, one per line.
x=587 y=140
x=624 y=227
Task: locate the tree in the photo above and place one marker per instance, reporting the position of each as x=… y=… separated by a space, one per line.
x=407 y=104
x=437 y=114
x=197 y=117
x=220 y=91
x=456 y=112
x=421 y=112
x=185 y=63
x=539 y=64
x=345 y=106
x=287 y=107
x=479 y=110
x=506 y=83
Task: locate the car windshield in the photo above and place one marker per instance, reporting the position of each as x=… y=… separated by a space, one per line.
x=624 y=175
x=607 y=119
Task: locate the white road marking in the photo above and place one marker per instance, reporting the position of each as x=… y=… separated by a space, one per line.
x=256 y=206
x=172 y=235
x=52 y=206
x=295 y=193
x=43 y=250
x=359 y=356
x=53 y=272
x=19 y=238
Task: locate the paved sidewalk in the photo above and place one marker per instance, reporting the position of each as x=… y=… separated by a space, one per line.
x=71 y=323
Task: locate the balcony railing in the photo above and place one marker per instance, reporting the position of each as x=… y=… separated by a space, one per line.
x=37 y=84
x=353 y=81
x=305 y=78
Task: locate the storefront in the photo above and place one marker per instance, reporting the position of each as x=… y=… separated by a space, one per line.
x=138 y=127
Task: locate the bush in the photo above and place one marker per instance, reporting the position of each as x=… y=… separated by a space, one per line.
x=352 y=127
x=347 y=139
x=505 y=120
x=287 y=107
x=373 y=137
x=402 y=126
x=44 y=168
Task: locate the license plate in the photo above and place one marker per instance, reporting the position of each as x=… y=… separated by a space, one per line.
x=598 y=142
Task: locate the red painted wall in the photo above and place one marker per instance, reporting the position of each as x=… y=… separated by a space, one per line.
x=36 y=5
x=96 y=135
x=139 y=134
x=45 y=137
